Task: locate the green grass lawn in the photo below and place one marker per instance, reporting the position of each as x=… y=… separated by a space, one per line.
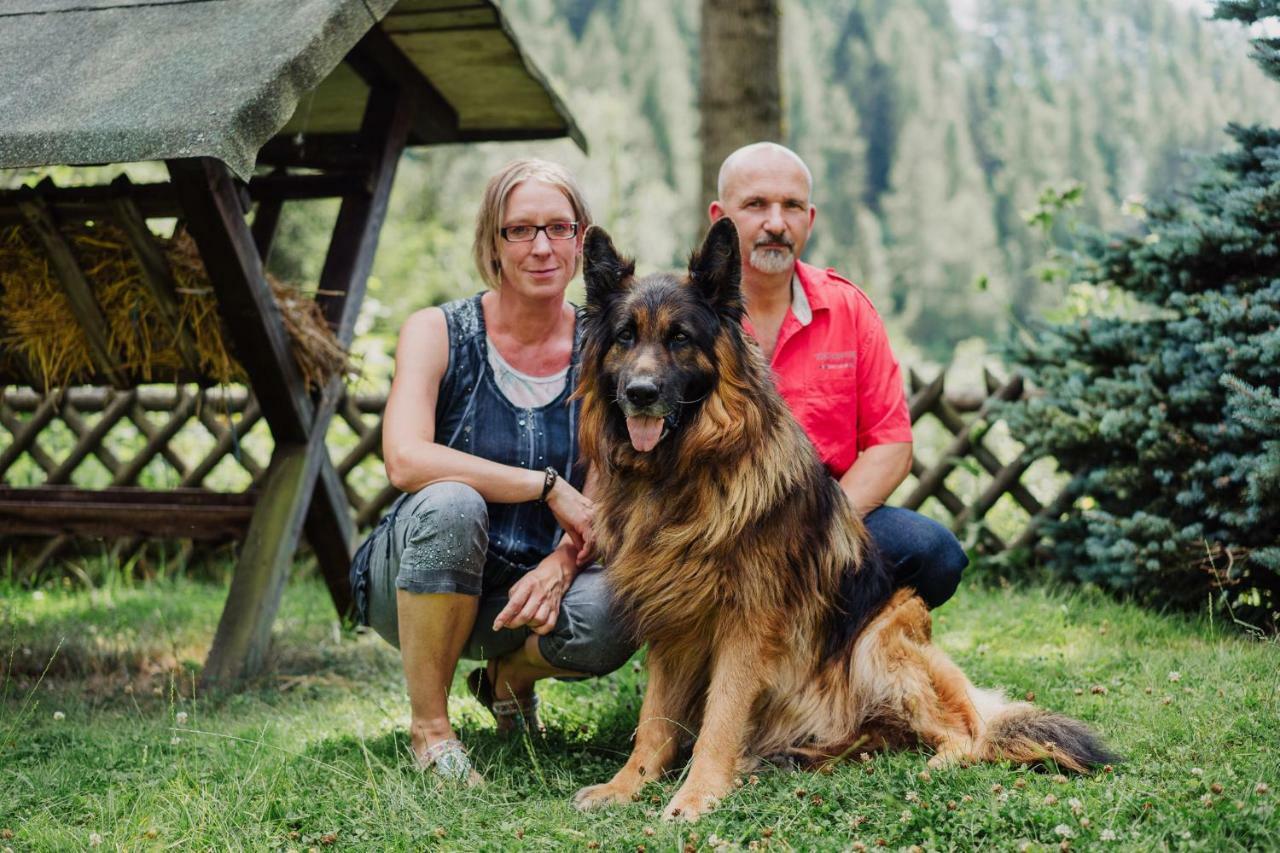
x=115 y=745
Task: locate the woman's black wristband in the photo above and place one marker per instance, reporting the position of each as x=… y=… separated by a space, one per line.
x=548 y=483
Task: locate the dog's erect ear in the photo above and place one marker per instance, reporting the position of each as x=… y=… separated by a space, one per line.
x=716 y=269
x=605 y=271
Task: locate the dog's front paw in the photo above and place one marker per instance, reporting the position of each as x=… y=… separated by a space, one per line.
x=689 y=805
x=600 y=796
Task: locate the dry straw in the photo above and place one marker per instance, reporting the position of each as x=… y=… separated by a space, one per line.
x=39 y=333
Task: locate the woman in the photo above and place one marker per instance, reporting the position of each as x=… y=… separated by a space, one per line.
x=481 y=436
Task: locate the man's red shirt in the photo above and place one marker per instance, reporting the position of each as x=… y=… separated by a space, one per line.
x=836 y=371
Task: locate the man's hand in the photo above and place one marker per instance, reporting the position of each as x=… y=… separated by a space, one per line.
x=576 y=514
x=534 y=600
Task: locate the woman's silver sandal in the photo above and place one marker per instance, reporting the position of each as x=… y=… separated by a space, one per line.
x=448 y=759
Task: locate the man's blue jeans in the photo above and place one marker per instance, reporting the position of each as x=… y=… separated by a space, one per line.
x=918 y=552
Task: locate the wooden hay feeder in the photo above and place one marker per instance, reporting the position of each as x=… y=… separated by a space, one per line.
x=88 y=293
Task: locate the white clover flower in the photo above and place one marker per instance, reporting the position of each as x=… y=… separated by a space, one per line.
x=912 y=797
x=59 y=716
x=1063 y=830
x=1175 y=676
x=1186 y=835
x=95 y=839
x=906 y=816
x=1076 y=805
x=1196 y=771
x=1050 y=800
x=180 y=718
x=1108 y=835
x=175 y=740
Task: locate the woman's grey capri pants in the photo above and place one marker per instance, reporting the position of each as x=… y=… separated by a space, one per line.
x=439 y=542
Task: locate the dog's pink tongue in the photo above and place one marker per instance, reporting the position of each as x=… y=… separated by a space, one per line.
x=645 y=432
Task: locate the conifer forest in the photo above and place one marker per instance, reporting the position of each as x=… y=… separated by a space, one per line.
x=932 y=128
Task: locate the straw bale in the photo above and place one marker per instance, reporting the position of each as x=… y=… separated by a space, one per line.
x=39 y=332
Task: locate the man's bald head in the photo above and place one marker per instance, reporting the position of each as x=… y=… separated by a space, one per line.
x=765 y=188
x=757 y=155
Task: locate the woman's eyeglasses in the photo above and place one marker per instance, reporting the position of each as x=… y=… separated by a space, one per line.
x=526 y=233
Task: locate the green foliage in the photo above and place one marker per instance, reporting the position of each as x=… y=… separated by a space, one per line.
x=316 y=750
x=1165 y=409
x=930 y=128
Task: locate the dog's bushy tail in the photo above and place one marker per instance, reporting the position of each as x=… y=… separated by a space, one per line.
x=1025 y=734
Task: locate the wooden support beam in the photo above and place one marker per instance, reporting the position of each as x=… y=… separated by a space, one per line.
x=384 y=66
x=249 y=312
x=216 y=221
x=266 y=220
x=80 y=296
x=385 y=126
x=244 y=630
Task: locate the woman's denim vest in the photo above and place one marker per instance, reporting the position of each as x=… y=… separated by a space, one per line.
x=473 y=416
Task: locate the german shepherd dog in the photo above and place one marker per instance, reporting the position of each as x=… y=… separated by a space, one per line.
x=772 y=628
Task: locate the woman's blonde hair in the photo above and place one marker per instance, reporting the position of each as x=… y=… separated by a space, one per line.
x=494 y=208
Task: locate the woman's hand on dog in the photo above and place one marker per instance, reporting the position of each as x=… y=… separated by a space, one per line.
x=576 y=514
x=534 y=600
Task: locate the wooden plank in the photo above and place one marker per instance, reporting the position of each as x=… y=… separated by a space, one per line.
x=24 y=437
x=160 y=200
x=945 y=412
x=1031 y=533
x=925 y=397
x=157 y=277
x=370 y=443
x=67 y=511
x=80 y=298
x=150 y=398
x=91 y=439
x=317 y=151
x=215 y=219
x=959 y=447
x=228 y=439
x=277 y=187
x=149 y=430
x=157 y=441
x=1000 y=484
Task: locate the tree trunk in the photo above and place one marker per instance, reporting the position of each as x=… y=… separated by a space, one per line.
x=741 y=88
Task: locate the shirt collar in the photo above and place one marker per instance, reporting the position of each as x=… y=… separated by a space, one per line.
x=800 y=302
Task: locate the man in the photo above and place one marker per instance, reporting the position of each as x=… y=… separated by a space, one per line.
x=832 y=362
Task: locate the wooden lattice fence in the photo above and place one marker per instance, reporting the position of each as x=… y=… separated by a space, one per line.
x=207 y=449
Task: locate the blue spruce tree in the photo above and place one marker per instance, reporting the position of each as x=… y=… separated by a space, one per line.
x=1169 y=415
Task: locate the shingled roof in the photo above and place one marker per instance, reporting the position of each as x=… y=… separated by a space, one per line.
x=109 y=81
